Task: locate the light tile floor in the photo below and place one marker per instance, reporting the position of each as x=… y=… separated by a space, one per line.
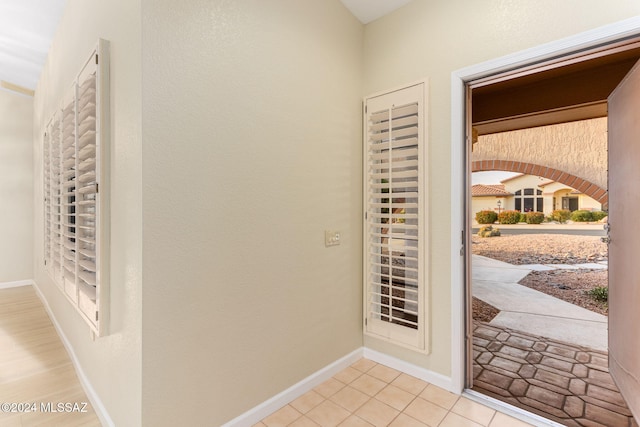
x=35 y=368
x=369 y=394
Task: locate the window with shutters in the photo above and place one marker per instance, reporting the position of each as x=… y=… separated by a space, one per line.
x=395 y=258
x=75 y=186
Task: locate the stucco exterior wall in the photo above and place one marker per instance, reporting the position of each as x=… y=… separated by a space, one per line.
x=578 y=148
x=489 y=203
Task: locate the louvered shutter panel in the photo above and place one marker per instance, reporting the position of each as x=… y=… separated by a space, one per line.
x=68 y=188
x=46 y=191
x=75 y=158
x=87 y=192
x=395 y=216
x=56 y=200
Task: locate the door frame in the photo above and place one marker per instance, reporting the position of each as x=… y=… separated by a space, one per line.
x=460 y=164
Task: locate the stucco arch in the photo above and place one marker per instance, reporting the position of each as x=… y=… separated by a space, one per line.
x=584 y=186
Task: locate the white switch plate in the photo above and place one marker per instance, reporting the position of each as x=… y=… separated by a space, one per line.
x=331 y=238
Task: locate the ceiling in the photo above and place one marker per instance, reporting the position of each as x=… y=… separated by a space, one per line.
x=370 y=10
x=26 y=30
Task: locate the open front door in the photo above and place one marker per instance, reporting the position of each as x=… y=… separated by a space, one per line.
x=624 y=233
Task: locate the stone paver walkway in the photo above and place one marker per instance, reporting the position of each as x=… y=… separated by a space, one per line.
x=566 y=383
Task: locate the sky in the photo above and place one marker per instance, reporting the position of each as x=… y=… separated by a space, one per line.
x=490 y=177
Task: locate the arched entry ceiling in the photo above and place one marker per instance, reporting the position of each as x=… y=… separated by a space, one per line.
x=570 y=89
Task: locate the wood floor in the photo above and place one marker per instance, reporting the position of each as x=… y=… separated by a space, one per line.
x=38 y=384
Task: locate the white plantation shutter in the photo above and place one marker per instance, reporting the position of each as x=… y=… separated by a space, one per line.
x=395 y=216
x=56 y=198
x=75 y=172
x=67 y=190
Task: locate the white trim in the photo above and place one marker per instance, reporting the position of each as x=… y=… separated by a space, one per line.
x=458 y=363
x=91 y=393
x=17 y=283
x=271 y=405
x=511 y=410
x=590 y=39
x=410 y=369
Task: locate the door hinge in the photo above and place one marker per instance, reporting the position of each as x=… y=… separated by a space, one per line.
x=97 y=188
x=365 y=321
x=462 y=243
x=96 y=59
x=96 y=316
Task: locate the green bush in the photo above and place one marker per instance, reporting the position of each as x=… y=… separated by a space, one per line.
x=488 y=231
x=534 y=217
x=561 y=215
x=523 y=217
x=598 y=215
x=509 y=217
x=581 y=216
x=599 y=293
x=486 y=217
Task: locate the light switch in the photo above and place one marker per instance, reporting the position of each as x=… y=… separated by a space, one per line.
x=331 y=238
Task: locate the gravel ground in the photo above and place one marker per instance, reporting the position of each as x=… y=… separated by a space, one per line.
x=568 y=285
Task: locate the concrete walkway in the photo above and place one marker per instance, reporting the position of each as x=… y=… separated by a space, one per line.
x=534 y=312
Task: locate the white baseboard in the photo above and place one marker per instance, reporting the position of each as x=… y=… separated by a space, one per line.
x=266 y=408
x=411 y=369
x=93 y=397
x=15 y=284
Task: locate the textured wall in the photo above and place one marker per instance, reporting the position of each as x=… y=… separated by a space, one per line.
x=433 y=38
x=16 y=187
x=252 y=147
x=111 y=363
x=578 y=148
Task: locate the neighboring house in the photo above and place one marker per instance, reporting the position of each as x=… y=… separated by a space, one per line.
x=527 y=193
x=492 y=197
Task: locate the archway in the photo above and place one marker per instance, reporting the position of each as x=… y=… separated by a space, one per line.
x=584 y=186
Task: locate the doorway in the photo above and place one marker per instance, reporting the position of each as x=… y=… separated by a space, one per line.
x=547 y=59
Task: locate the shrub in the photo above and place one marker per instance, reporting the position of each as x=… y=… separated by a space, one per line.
x=509 y=217
x=523 y=217
x=534 y=217
x=488 y=231
x=598 y=215
x=486 y=217
x=599 y=293
x=561 y=215
x=581 y=216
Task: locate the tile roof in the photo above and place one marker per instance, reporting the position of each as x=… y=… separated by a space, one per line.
x=489 y=190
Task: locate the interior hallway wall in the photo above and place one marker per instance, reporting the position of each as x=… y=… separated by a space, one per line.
x=112 y=363
x=16 y=187
x=251 y=150
x=433 y=38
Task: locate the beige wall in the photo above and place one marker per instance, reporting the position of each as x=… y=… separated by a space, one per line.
x=113 y=363
x=16 y=187
x=433 y=38
x=579 y=148
x=251 y=149
x=488 y=203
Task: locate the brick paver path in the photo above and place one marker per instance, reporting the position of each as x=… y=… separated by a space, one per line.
x=562 y=382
